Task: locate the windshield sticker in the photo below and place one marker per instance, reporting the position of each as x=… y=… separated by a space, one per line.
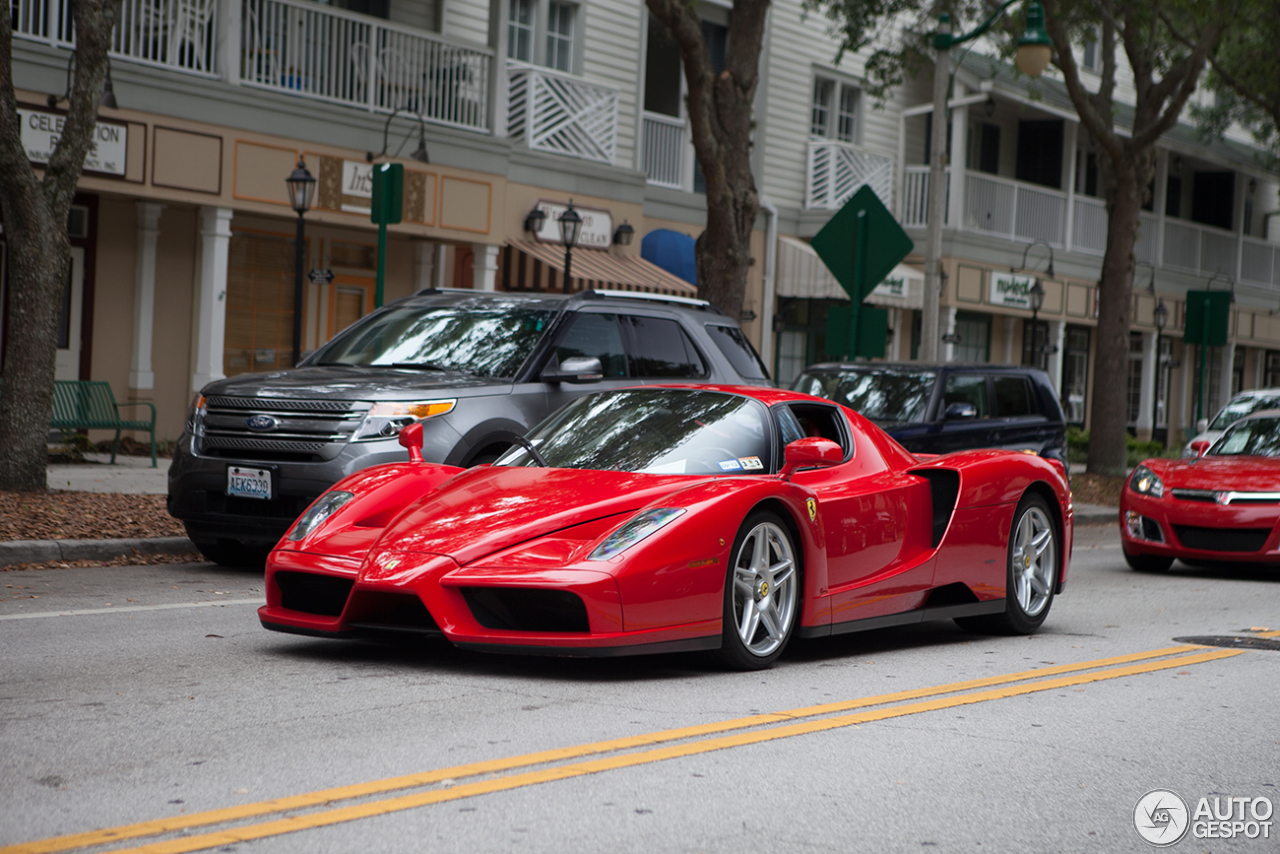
x=751 y=463
x=730 y=465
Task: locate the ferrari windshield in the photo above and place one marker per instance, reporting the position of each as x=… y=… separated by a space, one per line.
x=1242 y=406
x=492 y=341
x=1255 y=437
x=653 y=430
x=884 y=396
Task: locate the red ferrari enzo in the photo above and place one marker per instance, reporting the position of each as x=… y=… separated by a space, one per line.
x=1222 y=505
x=666 y=518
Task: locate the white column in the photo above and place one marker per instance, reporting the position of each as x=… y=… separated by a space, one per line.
x=959 y=157
x=948 y=324
x=1159 y=200
x=500 y=79
x=1010 y=324
x=1069 y=179
x=484 y=267
x=895 y=323
x=1147 y=387
x=1224 y=378
x=1057 y=341
x=227 y=47
x=424 y=265
x=211 y=296
x=144 y=296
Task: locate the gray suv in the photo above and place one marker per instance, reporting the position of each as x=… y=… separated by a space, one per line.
x=477 y=369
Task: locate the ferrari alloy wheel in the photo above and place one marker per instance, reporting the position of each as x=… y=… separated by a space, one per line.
x=1034 y=565
x=762 y=594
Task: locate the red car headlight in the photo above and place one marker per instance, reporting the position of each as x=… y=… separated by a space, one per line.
x=317 y=514
x=640 y=526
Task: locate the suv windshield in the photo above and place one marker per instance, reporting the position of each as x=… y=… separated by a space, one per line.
x=492 y=341
x=1242 y=406
x=657 y=431
x=884 y=396
x=1257 y=437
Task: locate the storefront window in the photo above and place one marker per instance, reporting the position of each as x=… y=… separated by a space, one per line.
x=1075 y=374
x=1135 y=377
x=974 y=330
x=259 y=334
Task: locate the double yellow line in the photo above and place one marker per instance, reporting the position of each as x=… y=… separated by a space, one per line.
x=644 y=749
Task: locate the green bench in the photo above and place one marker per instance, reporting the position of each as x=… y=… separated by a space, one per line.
x=90 y=405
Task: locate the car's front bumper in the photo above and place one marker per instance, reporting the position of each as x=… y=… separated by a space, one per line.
x=1197 y=530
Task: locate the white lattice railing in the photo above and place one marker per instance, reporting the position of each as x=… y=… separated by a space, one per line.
x=331 y=55
x=666 y=151
x=836 y=170
x=562 y=114
x=176 y=34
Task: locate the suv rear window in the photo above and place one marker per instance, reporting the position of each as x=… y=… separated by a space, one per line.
x=1013 y=397
x=738 y=350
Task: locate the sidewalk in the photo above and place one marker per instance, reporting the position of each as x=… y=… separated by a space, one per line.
x=134 y=475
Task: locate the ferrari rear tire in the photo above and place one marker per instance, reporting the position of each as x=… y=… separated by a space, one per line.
x=1148 y=563
x=1034 y=566
x=761 y=593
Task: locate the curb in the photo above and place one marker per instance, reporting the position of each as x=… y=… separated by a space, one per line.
x=41 y=551
x=1097 y=514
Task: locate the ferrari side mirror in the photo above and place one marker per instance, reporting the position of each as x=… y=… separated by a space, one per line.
x=813 y=452
x=411 y=439
x=1199 y=447
x=575 y=370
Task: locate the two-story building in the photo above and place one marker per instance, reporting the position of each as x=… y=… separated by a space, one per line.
x=183 y=236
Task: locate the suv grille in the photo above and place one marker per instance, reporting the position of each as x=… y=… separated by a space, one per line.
x=303 y=430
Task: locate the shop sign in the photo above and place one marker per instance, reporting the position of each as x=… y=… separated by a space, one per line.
x=596 y=231
x=357 y=187
x=1011 y=291
x=41 y=131
x=892 y=286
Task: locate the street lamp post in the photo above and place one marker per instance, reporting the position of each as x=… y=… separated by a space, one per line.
x=570 y=224
x=302 y=187
x=1037 y=300
x=1161 y=317
x=1034 y=53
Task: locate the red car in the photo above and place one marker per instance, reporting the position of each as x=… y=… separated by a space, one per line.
x=1221 y=505
x=667 y=518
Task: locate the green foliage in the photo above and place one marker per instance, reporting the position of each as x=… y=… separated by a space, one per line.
x=1135 y=451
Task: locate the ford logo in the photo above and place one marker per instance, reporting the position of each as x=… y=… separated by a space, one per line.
x=261 y=422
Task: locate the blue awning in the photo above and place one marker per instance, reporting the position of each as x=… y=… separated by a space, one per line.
x=672 y=251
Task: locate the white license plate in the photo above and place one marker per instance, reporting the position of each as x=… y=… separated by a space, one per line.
x=248 y=483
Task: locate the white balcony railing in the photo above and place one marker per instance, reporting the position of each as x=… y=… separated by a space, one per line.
x=175 y=34
x=914 y=210
x=667 y=152
x=562 y=114
x=836 y=170
x=1014 y=209
x=1260 y=262
x=1089 y=230
x=331 y=55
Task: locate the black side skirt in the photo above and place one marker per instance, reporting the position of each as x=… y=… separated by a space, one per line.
x=920 y=615
x=690 y=645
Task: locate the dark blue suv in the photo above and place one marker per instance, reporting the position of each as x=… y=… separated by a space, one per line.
x=936 y=409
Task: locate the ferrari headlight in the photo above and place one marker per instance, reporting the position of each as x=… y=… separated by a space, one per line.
x=317 y=514
x=1145 y=482
x=641 y=525
x=386 y=419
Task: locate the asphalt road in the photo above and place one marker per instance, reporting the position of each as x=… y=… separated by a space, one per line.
x=162 y=699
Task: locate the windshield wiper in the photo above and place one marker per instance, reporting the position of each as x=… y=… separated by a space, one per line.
x=418 y=366
x=533 y=451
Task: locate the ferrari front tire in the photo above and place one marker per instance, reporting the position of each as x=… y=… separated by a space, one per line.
x=1148 y=563
x=761 y=594
x=1034 y=566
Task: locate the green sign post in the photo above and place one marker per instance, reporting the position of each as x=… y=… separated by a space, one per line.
x=388 y=201
x=1208 y=317
x=861 y=245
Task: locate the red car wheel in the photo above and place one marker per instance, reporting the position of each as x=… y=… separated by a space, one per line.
x=762 y=594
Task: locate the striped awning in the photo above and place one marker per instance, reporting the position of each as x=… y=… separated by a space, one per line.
x=531 y=266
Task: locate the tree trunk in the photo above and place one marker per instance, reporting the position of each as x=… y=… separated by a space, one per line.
x=35 y=216
x=720 y=119
x=1107 y=444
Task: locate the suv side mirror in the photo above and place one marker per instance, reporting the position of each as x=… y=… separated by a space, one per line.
x=811 y=452
x=1202 y=425
x=1199 y=447
x=576 y=370
x=960 y=411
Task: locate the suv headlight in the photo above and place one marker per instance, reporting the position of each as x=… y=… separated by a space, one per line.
x=642 y=525
x=1145 y=482
x=386 y=419
x=195 y=415
x=317 y=514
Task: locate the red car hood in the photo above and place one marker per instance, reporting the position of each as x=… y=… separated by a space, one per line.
x=491 y=508
x=1244 y=474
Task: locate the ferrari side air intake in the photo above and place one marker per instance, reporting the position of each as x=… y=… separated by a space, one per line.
x=523 y=609
x=944 y=486
x=323 y=595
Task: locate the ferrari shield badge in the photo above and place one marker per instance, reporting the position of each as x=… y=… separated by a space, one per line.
x=813 y=509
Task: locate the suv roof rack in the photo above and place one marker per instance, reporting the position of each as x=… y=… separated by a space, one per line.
x=614 y=294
